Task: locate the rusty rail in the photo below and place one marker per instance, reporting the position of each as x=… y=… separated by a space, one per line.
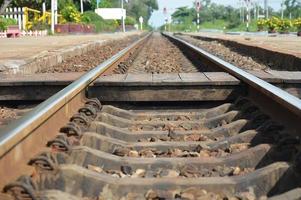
x=30 y=133
x=291 y=102
x=273 y=100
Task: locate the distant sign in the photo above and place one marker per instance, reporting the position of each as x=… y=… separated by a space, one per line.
x=141 y=19
x=165 y=11
x=261 y=16
x=141 y=22
x=111 y=13
x=198 y=5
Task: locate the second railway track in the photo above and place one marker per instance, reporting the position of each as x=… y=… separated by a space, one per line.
x=242 y=146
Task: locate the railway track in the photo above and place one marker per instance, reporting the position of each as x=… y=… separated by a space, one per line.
x=72 y=147
x=9 y=113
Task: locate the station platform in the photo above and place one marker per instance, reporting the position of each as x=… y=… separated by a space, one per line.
x=286 y=44
x=27 y=52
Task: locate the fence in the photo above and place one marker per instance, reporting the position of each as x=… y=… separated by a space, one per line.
x=27 y=33
x=18 y=15
x=27 y=17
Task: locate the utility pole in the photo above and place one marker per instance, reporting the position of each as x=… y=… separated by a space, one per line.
x=169 y=23
x=198 y=8
x=282 y=9
x=44 y=8
x=248 y=13
x=198 y=21
x=258 y=8
x=240 y=11
x=255 y=10
x=81 y=6
x=141 y=22
x=55 y=12
x=44 y=11
x=52 y=16
x=166 y=19
x=122 y=17
x=266 y=8
x=243 y=12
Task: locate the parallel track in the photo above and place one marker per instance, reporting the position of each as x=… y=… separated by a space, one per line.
x=247 y=147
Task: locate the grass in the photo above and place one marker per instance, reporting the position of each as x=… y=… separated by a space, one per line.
x=217 y=25
x=100 y=24
x=243 y=27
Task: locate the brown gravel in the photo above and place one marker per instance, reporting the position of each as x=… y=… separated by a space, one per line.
x=227 y=54
x=198 y=194
x=175 y=152
x=175 y=118
x=161 y=56
x=169 y=127
x=192 y=193
x=8 y=114
x=173 y=137
x=185 y=172
x=91 y=59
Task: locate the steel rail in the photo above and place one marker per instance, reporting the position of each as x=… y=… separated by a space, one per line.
x=12 y=134
x=284 y=98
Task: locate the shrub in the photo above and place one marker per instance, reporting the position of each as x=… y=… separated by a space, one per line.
x=261 y=23
x=284 y=25
x=5 y=22
x=90 y=16
x=297 y=23
x=100 y=24
x=86 y=19
x=40 y=26
x=130 y=20
x=272 y=24
x=71 y=14
x=3 y=25
x=233 y=24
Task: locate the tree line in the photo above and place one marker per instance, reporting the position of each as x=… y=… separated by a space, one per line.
x=135 y=8
x=232 y=16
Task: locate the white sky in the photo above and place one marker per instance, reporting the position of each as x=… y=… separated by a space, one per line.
x=157 y=18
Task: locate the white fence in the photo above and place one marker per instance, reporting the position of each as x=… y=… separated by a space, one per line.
x=27 y=33
x=3 y=34
x=20 y=17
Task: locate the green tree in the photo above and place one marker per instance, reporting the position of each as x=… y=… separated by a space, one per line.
x=144 y=8
x=209 y=13
x=135 y=8
x=70 y=13
x=4 y=4
x=105 y=4
x=183 y=15
x=293 y=7
x=37 y=4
